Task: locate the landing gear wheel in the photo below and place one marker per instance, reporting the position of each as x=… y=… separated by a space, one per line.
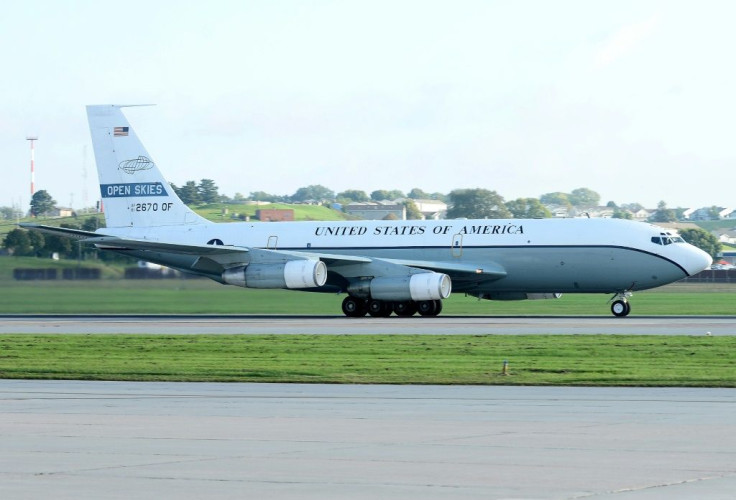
x=405 y=309
x=354 y=307
x=620 y=308
x=380 y=309
x=429 y=307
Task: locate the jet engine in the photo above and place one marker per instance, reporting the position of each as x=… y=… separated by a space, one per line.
x=416 y=287
x=291 y=274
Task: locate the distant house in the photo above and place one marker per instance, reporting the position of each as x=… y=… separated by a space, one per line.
x=431 y=209
x=559 y=211
x=726 y=236
x=689 y=213
x=275 y=214
x=562 y=211
x=727 y=213
x=596 y=212
x=61 y=212
x=377 y=210
x=708 y=213
x=642 y=214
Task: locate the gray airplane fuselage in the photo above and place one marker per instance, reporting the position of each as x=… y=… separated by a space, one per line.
x=526 y=256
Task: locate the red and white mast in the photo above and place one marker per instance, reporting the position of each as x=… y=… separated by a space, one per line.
x=32 y=139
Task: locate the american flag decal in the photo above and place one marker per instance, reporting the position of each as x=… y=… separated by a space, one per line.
x=120 y=132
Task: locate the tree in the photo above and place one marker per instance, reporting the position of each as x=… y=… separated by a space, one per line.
x=38 y=242
x=621 y=214
x=412 y=212
x=188 y=193
x=59 y=244
x=18 y=242
x=92 y=224
x=527 y=208
x=207 y=191
x=702 y=239
x=555 y=199
x=477 y=204
x=315 y=192
x=263 y=196
x=663 y=214
x=383 y=194
x=10 y=212
x=418 y=194
x=353 y=195
x=41 y=203
x=584 y=197
x=633 y=207
x=714 y=212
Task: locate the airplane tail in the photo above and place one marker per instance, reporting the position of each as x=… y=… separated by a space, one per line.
x=134 y=192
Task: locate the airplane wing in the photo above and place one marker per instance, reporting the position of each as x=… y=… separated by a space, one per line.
x=458 y=270
x=214 y=259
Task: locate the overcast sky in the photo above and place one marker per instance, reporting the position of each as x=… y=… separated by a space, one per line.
x=634 y=100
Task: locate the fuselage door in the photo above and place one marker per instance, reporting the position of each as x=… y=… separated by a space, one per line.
x=457 y=245
x=272 y=242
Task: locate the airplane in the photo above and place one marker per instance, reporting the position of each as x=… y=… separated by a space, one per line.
x=383 y=267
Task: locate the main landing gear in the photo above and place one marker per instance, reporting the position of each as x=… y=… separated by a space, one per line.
x=620 y=306
x=355 y=307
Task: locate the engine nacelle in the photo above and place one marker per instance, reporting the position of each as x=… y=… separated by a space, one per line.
x=516 y=296
x=416 y=287
x=291 y=274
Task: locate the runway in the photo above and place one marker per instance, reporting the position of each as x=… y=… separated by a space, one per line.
x=91 y=440
x=339 y=325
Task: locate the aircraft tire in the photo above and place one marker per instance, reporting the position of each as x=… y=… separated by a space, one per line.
x=380 y=309
x=427 y=307
x=354 y=307
x=405 y=309
x=620 y=308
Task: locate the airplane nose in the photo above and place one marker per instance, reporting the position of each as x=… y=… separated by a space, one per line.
x=696 y=260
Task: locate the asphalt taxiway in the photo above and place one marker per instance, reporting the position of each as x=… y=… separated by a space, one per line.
x=91 y=440
x=338 y=325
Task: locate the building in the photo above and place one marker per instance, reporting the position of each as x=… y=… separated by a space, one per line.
x=431 y=209
x=377 y=210
x=275 y=214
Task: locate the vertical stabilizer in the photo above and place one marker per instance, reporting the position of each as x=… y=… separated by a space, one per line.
x=134 y=193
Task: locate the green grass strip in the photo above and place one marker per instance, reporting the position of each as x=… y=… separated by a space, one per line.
x=204 y=296
x=581 y=360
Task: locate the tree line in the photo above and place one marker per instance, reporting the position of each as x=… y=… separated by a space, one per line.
x=462 y=203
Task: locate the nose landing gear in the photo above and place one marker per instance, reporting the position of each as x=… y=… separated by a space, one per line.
x=620 y=306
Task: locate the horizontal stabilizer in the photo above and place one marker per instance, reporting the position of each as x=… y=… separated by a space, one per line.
x=115 y=243
x=76 y=234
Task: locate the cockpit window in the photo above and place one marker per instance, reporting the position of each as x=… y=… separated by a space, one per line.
x=667 y=239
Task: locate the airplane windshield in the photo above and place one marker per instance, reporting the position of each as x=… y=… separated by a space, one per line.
x=667 y=239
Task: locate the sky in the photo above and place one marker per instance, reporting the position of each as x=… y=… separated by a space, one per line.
x=633 y=99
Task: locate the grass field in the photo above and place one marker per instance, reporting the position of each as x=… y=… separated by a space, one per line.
x=203 y=296
x=394 y=359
